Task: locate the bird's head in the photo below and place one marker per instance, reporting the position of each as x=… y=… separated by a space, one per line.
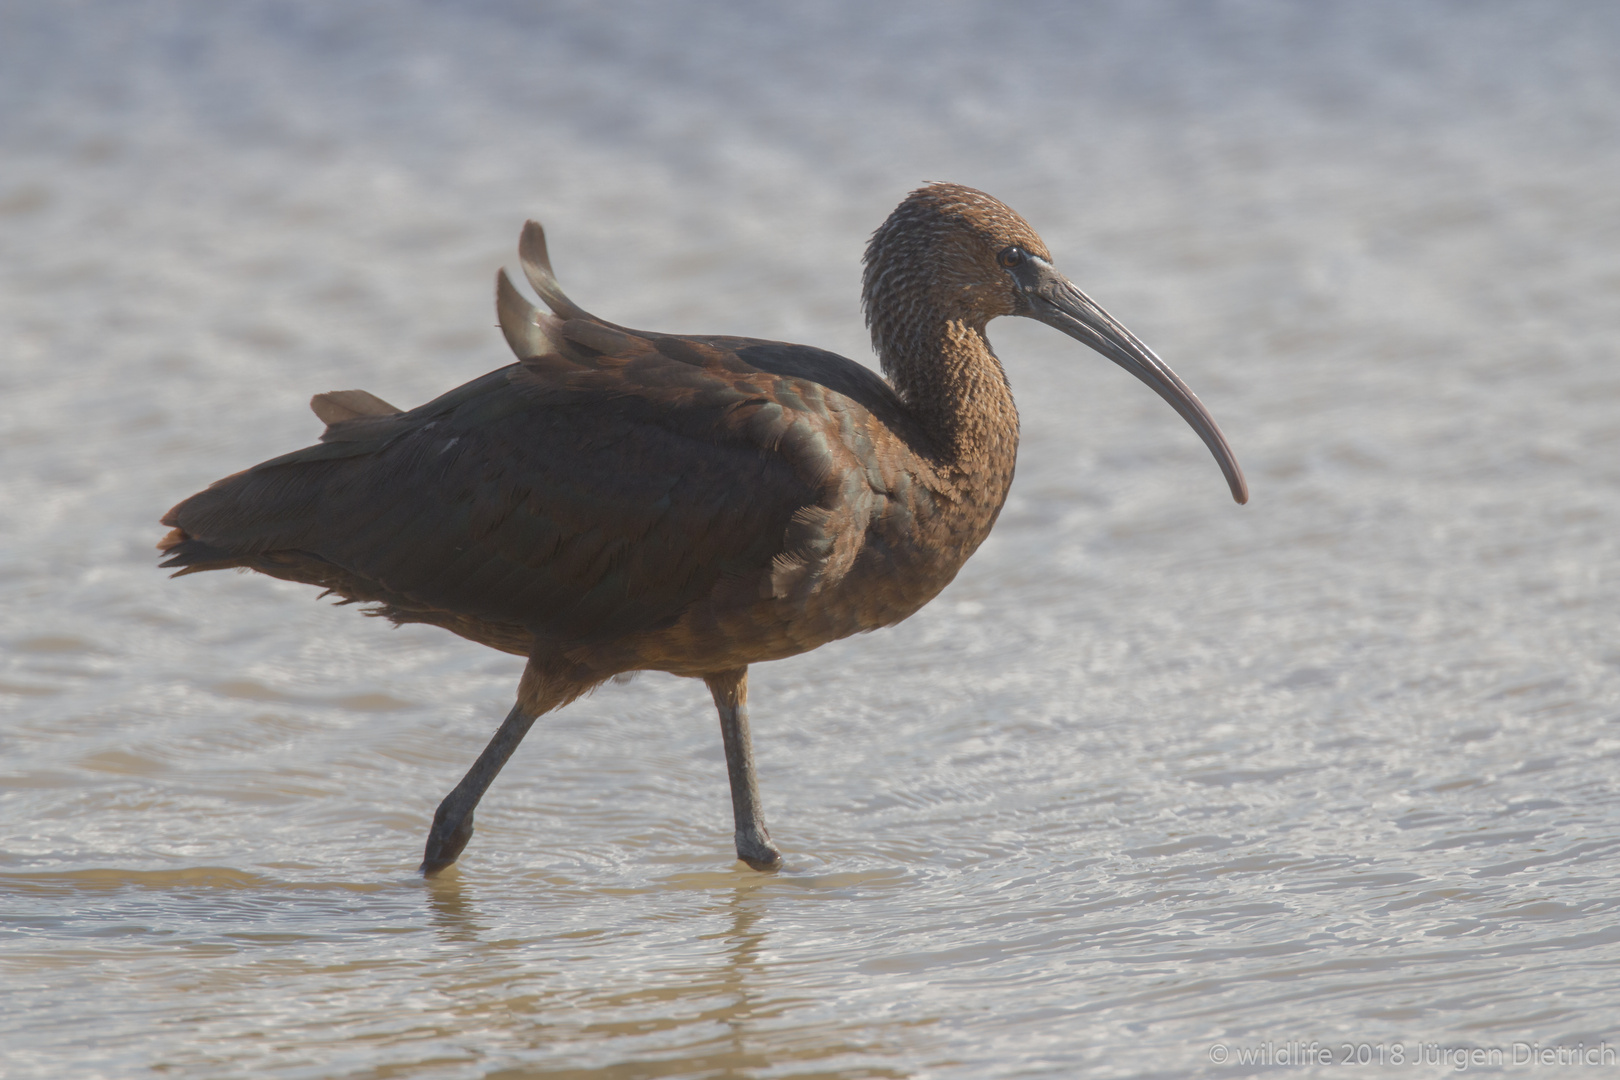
x=950 y=253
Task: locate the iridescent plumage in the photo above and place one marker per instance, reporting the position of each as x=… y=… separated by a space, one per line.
x=618 y=500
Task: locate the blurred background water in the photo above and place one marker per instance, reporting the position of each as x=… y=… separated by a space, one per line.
x=1157 y=782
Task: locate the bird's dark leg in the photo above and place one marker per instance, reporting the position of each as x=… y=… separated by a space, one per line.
x=754 y=847
x=543 y=687
x=453 y=821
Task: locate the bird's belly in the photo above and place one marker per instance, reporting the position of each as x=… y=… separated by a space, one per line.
x=882 y=588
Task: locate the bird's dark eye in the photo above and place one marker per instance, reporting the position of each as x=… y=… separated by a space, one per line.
x=1011 y=256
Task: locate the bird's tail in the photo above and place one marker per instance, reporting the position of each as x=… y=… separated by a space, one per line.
x=191 y=555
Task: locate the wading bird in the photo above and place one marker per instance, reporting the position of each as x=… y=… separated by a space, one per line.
x=618 y=500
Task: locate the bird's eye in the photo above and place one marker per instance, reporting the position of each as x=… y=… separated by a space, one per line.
x=1011 y=256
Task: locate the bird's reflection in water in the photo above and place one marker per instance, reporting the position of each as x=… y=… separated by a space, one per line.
x=728 y=1002
x=452 y=914
x=741 y=978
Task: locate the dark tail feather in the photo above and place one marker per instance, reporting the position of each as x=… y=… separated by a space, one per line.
x=194 y=556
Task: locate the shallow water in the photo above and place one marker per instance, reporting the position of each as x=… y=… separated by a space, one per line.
x=1158 y=785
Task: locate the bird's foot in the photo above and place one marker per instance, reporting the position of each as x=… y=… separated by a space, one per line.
x=445 y=841
x=754 y=847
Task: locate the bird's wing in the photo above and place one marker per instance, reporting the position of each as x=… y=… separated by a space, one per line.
x=595 y=490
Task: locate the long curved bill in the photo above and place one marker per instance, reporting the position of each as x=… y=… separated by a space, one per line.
x=1054 y=300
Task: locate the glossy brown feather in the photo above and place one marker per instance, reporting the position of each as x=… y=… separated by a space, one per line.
x=619 y=500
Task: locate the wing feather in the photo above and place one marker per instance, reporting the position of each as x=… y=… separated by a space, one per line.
x=596 y=488
x=574 y=500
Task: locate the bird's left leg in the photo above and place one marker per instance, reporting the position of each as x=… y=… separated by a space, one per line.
x=453 y=821
x=754 y=847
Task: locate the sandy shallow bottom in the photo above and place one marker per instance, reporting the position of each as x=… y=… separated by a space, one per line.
x=1160 y=786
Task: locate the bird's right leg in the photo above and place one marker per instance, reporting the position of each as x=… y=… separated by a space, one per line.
x=453 y=821
x=754 y=847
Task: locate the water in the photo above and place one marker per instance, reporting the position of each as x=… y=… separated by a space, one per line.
x=1160 y=783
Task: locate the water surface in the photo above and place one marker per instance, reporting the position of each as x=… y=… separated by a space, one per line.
x=1158 y=784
